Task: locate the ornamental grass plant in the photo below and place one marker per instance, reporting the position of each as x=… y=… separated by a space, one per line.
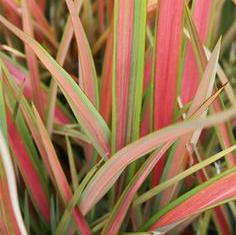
x=117 y=117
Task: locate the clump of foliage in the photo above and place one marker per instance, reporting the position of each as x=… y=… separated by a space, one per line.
x=117 y=117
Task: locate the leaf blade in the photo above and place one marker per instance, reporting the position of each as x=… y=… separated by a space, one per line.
x=84 y=111
x=112 y=169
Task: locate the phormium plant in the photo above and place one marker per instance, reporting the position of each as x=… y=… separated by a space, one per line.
x=117 y=117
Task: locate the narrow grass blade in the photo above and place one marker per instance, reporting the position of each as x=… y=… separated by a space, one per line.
x=85 y=112
x=73 y=172
x=87 y=73
x=147 y=93
x=128 y=68
x=119 y=211
x=58 y=174
x=101 y=15
x=207 y=195
x=111 y=170
x=121 y=72
x=161 y=187
x=70 y=132
x=8 y=220
x=74 y=201
x=202 y=62
x=49 y=156
x=106 y=80
x=202 y=108
x=190 y=80
x=31 y=60
x=60 y=58
x=22 y=78
x=137 y=70
x=168 y=41
x=11 y=186
x=167 y=51
x=28 y=171
x=206 y=84
x=24 y=162
x=203 y=92
x=3 y=125
x=39 y=16
x=221 y=220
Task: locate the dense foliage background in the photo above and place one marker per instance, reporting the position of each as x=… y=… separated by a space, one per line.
x=117 y=117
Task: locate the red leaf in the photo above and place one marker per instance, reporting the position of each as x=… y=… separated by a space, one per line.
x=106 y=84
x=167 y=57
x=31 y=59
x=202 y=10
x=168 y=43
x=28 y=170
x=122 y=69
x=23 y=78
x=59 y=177
x=216 y=192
